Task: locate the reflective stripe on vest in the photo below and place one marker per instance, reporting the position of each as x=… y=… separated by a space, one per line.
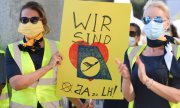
x=16 y=105
x=176 y=53
x=43 y=90
x=56 y=104
x=133 y=52
x=4 y=96
x=52 y=104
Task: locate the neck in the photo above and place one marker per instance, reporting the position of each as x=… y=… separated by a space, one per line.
x=154 y=49
x=42 y=44
x=39 y=40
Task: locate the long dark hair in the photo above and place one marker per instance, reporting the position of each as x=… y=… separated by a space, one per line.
x=174 y=31
x=138 y=30
x=38 y=8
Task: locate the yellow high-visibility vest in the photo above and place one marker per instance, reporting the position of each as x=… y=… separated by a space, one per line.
x=2 y=52
x=133 y=52
x=4 y=97
x=42 y=91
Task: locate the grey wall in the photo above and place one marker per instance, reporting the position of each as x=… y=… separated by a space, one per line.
x=9 y=15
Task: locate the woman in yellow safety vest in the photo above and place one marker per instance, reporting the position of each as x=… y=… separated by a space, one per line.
x=151 y=73
x=31 y=64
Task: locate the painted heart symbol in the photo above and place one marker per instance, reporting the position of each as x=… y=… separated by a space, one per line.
x=73 y=51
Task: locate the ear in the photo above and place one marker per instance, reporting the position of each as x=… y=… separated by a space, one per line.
x=167 y=25
x=137 y=38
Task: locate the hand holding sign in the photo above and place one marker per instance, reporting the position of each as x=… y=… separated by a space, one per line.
x=122 y=69
x=91 y=37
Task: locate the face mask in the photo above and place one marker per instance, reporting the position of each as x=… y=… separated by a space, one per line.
x=154 y=30
x=132 y=41
x=31 y=30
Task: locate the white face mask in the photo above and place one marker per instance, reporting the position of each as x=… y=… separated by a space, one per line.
x=154 y=30
x=132 y=41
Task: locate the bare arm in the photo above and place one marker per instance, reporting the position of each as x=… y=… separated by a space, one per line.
x=19 y=82
x=127 y=88
x=76 y=102
x=79 y=104
x=168 y=93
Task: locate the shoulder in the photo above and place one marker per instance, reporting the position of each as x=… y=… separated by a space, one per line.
x=14 y=43
x=135 y=49
x=53 y=43
x=11 y=47
x=57 y=42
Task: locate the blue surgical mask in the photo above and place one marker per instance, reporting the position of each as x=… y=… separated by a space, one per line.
x=154 y=30
x=132 y=41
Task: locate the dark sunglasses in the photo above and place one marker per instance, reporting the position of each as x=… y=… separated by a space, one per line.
x=33 y=20
x=157 y=19
x=132 y=33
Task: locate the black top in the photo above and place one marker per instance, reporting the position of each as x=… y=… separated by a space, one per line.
x=2 y=71
x=115 y=104
x=156 y=69
x=13 y=69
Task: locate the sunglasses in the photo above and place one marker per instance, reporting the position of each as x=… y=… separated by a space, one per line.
x=132 y=33
x=33 y=20
x=157 y=19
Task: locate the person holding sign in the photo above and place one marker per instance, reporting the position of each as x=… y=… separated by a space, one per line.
x=134 y=37
x=150 y=73
x=32 y=63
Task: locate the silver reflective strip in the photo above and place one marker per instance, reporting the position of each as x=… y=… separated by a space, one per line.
x=16 y=105
x=56 y=104
x=54 y=49
x=47 y=81
x=34 y=84
x=4 y=96
x=55 y=69
x=133 y=53
x=65 y=102
x=17 y=55
x=17 y=58
x=168 y=57
x=174 y=49
x=53 y=46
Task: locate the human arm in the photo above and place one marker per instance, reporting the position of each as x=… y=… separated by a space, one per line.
x=77 y=102
x=171 y=94
x=127 y=87
x=19 y=82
